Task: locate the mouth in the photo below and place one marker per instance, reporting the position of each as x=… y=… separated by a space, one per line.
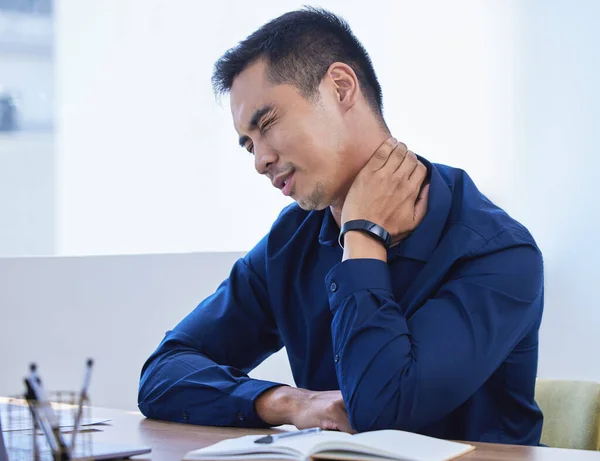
x=284 y=183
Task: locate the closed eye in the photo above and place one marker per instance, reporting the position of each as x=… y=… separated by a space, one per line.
x=266 y=125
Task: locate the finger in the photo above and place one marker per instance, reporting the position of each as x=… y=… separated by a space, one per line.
x=409 y=164
x=419 y=173
x=396 y=157
x=381 y=155
x=421 y=204
x=343 y=419
x=417 y=178
x=344 y=425
x=348 y=428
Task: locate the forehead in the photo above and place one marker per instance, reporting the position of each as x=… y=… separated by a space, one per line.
x=252 y=90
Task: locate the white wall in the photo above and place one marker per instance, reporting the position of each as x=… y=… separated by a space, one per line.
x=146 y=158
x=27 y=213
x=27 y=158
x=26 y=66
x=115 y=309
x=557 y=119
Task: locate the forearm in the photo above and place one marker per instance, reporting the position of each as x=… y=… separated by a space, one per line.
x=182 y=385
x=376 y=368
x=278 y=405
x=371 y=341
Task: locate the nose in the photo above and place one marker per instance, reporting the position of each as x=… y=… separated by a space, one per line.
x=264 y=157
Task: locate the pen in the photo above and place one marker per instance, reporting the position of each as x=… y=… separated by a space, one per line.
x=271 y=438
x=44 y=415
x=82 y=398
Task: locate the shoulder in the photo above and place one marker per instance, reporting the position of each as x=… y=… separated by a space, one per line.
x=472 y=211
x=496 y=250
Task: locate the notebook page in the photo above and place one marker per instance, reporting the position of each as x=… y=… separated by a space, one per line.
x=306 y=444
x=242 y=446
x=405 y=446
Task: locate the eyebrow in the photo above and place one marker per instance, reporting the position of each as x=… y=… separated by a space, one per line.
x=254 y=121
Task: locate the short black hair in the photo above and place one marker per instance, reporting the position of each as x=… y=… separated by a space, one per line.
x=299 y=47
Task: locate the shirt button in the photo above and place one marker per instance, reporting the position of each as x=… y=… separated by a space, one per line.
x=336 y=359
x=186 y=416
x=241 y=416
x=333 y=287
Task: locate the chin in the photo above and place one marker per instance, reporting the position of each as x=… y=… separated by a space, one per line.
x=317 y=200
x=311 y=206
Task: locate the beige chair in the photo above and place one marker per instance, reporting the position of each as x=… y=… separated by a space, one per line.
x=571 y=413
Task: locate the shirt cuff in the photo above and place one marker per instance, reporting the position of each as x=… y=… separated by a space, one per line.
x=244 y=396
x=354 y=275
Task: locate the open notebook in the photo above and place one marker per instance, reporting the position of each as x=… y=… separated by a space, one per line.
x=376 y=446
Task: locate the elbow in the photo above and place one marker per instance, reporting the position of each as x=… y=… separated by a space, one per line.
x=144 y=399
x=366 y=418
x=372 y=408
x=146 y=409
x=150 y=390
x=156 y=401
x=368 y=412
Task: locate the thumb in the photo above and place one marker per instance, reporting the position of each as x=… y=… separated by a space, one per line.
x=421 y=204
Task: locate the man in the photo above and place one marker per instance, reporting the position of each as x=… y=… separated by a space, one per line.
x=427 y=320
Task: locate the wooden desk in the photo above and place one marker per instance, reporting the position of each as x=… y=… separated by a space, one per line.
x=170 y=441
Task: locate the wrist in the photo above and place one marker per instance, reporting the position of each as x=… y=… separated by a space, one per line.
x=359 y=245
x=278 y=405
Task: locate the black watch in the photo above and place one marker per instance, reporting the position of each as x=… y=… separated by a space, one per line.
x=368 y=227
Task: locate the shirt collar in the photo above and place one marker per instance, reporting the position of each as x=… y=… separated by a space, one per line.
x=423 y=241
x=329 y=229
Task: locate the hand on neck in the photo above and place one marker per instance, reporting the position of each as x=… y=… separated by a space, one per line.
x=362 y=147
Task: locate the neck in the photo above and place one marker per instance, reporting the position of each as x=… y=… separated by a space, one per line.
x=361 y=148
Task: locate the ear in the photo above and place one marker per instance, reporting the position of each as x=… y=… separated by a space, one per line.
x=345 y=83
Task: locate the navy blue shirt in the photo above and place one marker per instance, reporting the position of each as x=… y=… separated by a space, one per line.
x=441 y=340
